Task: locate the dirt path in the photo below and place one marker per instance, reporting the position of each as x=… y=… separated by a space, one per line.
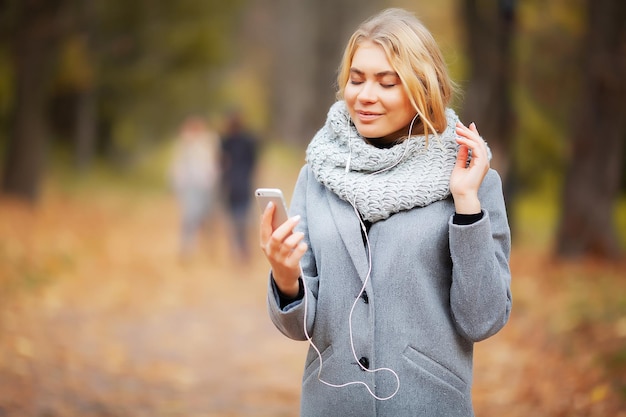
x=124 y=328
x=98 y=317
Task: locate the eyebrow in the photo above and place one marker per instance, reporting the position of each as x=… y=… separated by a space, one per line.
x=381 y=74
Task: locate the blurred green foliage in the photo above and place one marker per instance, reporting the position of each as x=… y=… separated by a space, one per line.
x=159 y=61
x=151 y=63
x=148 y=63
x=549 y=34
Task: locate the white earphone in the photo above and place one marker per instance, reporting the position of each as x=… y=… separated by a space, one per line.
x=406 y=147
x=365 y=281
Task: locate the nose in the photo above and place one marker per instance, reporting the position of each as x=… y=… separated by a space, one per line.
x=367 y=94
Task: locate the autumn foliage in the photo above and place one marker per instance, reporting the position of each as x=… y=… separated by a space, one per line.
x=99 y=317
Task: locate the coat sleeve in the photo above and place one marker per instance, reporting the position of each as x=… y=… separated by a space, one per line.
x=480 y=295
x=290 y=319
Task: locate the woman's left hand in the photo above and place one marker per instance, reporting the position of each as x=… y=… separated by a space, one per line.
x=466 y=178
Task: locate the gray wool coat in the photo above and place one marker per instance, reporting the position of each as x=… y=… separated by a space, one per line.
x=435 y=288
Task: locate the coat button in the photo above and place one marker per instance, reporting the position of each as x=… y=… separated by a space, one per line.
x=364 y=362
x=365 y=298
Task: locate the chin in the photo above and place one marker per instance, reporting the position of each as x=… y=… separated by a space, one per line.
x=370 y=133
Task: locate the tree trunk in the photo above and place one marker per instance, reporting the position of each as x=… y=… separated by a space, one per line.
x=86 y=103
x=33 y=49
x=336 y=21
x=489 y=33
x=293 y=69
x=598 y=133
x=85 y=128
x=310 y=37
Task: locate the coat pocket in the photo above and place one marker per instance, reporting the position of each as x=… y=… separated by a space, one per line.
x=312 y=368
x=435 y=370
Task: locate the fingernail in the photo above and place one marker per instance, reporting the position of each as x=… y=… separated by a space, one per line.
x=270 y=204
x=472 y=124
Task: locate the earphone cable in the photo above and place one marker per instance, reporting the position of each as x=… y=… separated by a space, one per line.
x=365 y=281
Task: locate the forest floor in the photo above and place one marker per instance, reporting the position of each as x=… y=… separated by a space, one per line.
x=99 y=317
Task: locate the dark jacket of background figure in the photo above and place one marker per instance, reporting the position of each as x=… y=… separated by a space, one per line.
x=239 y=153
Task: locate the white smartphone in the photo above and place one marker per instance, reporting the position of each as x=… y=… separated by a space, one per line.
x=275 y=195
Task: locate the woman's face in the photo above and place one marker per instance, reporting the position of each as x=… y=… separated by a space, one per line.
x=376 y=99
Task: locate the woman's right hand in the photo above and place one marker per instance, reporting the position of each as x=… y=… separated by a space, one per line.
x=283 y=248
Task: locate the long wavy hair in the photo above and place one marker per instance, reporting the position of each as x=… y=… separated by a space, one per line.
x=415 y=56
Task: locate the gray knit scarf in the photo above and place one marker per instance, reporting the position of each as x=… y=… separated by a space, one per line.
x=381 y=182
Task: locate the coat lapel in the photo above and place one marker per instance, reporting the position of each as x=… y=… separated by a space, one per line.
x=349 y=228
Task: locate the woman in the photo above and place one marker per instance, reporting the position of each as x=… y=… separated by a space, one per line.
x=193 y=174
x=396 y=256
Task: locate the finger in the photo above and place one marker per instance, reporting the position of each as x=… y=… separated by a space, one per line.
x=479 y=138
x=473 y=144
x=276 y=242
x=265 y=228
x=470 y=137
x=469 y=145
x=467 y=132
x=293 y=240
x=294 y=257
x=461 y=156
x=286 y=228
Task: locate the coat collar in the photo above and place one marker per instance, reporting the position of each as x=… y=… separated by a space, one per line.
x=349 y=227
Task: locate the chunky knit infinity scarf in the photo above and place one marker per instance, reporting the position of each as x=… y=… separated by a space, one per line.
x=381 y=182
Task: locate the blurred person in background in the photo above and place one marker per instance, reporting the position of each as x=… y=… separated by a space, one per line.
x=239 y=152
x=194 y=175
x=396 y=258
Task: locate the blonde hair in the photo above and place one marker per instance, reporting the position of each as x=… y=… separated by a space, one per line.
x=414 y=55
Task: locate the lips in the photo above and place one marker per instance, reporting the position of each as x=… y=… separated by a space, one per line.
x=366 y=116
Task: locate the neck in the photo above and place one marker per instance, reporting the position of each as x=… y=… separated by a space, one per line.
x=384 y=143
